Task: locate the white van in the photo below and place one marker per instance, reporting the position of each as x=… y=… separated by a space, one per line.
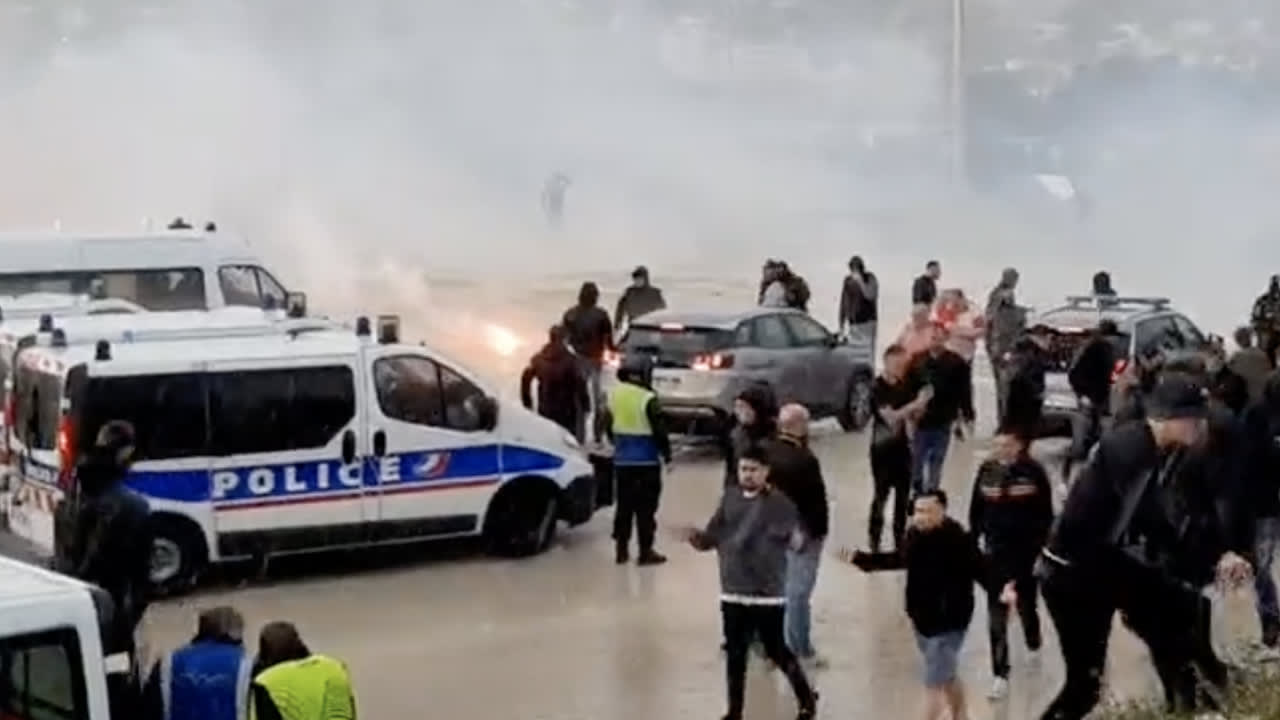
x=278 y=444
x=170 y=270
x=52 y=630
x=137 y=327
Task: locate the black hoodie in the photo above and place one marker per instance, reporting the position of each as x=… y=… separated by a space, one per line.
x=1262 y=451
x=636 y=301
x=943 y=565
x=562 y=391
x=587 y=325
x=761 y=398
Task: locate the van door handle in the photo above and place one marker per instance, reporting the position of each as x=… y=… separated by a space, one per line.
x=348 y=447
x=379 y=443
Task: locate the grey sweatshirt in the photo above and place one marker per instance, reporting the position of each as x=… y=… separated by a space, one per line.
x=751 y=534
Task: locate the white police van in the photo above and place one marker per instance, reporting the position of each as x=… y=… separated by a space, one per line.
x=254 y=446
x=53 y=663
x=177 y=269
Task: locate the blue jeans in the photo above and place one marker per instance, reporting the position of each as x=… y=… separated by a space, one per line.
x=802 y=576
x=928 y=452
x=1266 y=542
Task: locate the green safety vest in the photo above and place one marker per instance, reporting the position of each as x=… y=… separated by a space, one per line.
x=632 y=433
x=313 y=688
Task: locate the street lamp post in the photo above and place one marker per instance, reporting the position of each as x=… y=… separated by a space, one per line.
x=959 y=124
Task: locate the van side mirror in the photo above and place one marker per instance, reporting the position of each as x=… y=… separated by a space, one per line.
x=295 y=304
x=487 y=412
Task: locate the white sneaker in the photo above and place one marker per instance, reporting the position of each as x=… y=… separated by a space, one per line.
x=999 y=689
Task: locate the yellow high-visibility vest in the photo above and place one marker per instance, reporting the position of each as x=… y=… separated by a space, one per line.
x=313 y=688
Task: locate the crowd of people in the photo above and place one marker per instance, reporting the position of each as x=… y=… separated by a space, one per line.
x=1178 y=487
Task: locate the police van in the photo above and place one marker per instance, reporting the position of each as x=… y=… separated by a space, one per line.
x=253 y=446
x=54 y=633
x=177 y=269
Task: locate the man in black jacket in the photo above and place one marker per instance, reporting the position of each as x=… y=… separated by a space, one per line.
x=1262 y=458
x=110 y=543
x=562 y=391
x=1112 y=545
x=951 y=400
x=1024 y=373
x=925 y=289
x=1090 y=378
x=1010 y=513
x=590 y=334
x=797 y=473
x=641 y=298
x=859 y=303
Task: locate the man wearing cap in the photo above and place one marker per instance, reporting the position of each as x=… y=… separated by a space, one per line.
x=1025 y=381
x=1113 y=545
x=640 y=298
x=207 y=679
x=1005 y=321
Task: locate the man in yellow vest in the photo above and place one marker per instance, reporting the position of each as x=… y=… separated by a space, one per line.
x=292 y=683
x=634 y=423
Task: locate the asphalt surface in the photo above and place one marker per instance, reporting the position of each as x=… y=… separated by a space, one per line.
x=568 y=635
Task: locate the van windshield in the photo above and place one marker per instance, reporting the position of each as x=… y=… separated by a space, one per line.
x=153 y=289
x=37 y=407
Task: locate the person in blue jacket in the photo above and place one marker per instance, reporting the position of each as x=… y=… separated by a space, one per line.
x=207 y=679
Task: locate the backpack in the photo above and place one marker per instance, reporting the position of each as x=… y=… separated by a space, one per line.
x=797 y=293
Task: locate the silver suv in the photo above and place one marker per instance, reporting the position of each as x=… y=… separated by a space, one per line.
x=702 y=361
x=1146 y=325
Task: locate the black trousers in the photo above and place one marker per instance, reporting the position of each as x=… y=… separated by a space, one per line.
x=891 y=473
x=1163 y=615
x=744 y=624
x=639 y=489
x=1026 y=585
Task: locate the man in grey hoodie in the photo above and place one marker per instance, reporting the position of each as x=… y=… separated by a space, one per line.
x=751 y=531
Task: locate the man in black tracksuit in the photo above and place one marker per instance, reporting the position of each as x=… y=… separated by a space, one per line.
x=1010 y=513
x=640 y=299
x=1114 y=546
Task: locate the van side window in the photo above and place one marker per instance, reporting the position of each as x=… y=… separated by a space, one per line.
x=461 y=397
x=259 y=411
x=239 y=285
x=271 y=288
x=409 y=390
x=168 y=413
x=41 y=677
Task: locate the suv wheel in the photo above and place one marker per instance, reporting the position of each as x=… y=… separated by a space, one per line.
x=856 y=413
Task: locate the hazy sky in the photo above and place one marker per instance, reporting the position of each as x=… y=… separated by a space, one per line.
x=413 y=137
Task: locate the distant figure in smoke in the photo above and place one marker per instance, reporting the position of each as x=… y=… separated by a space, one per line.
x=553 y=197
x=1102 y=288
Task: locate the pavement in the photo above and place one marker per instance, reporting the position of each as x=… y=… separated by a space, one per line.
x=568 y=635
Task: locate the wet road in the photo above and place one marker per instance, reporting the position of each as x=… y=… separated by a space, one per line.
x=569 y=635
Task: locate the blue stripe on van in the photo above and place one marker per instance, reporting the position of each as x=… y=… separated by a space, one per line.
x=325 y=480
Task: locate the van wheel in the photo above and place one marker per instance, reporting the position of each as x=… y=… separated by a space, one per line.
x=523 y=521
x=856 y=413
x=177 y=555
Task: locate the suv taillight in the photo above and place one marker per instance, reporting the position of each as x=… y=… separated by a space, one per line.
x=66 y=452
x=1118 y=369
x=712 y=361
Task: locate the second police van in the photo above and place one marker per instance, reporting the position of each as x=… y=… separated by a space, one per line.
x=298 y=441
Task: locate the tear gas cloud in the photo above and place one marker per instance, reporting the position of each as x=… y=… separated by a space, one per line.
x=393 y=152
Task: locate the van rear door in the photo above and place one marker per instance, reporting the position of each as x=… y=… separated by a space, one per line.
x=39 y=401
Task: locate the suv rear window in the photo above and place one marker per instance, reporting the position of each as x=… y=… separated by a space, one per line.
x=675 y=344
x=37 y=407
